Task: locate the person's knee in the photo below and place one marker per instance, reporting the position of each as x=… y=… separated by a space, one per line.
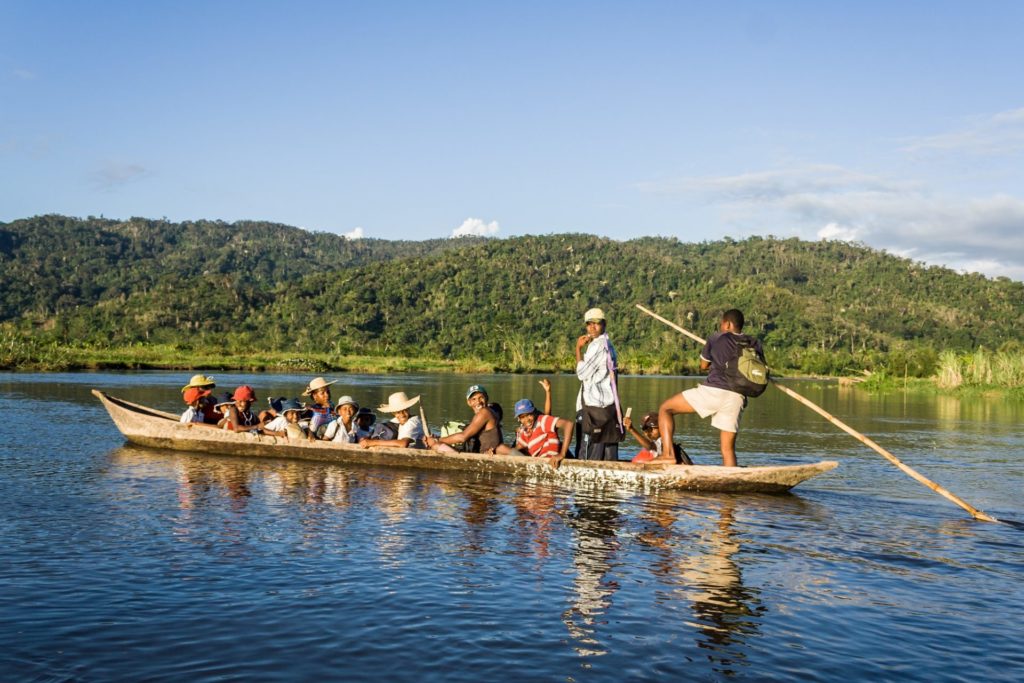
x=675 y=405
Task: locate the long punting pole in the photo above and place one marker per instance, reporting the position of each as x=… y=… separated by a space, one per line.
x=974 y=512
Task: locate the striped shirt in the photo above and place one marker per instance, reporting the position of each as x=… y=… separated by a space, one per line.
x=594 y=373
x=542 y=440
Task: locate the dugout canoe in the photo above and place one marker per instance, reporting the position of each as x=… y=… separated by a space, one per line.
x=149 y=427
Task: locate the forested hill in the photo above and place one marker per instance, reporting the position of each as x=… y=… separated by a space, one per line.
x=818 y=306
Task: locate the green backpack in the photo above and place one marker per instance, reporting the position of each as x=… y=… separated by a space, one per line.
x=746 y=373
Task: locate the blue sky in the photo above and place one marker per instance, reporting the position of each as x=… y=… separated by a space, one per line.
x=899 y=125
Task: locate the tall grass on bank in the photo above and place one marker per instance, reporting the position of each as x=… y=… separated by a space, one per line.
x=982 y=368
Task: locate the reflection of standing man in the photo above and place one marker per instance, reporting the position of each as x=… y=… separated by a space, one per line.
x=598 y=400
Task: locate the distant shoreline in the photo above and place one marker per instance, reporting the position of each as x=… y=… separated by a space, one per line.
x=50 y=358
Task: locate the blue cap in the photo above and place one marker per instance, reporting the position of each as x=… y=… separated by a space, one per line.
x=290 y=404
x=524 y=407
x=476 y=389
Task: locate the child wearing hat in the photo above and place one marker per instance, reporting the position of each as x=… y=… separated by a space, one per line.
x=287 y=423
x=538 y=433
x=321 y=412
x=206 y=404
x=343 y=428
x=193 y=413
x=410 y=427
x=238 y=414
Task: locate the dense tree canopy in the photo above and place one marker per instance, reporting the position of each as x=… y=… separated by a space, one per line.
x=819 y=306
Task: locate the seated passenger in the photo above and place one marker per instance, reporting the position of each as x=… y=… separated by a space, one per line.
x=193 y=396
x=538 y=434
x=481 y=435
x=410 y=428
x=206 y=405
x=343 y=428
x=239 y=416
x=650 y=439
x=320 y=411
x=287 y=423
x=364 y=421
x=224 y=404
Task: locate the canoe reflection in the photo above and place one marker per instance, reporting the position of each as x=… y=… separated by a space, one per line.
x=686 y=547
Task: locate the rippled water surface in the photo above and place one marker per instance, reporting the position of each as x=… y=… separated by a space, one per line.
x=124 y=563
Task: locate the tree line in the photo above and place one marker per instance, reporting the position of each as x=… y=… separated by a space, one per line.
x=819 y=307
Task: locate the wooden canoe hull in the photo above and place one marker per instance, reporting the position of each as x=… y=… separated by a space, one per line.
x=147 y=427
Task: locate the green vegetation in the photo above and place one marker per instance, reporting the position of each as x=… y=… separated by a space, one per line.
x=208 y=294
x=981 y=369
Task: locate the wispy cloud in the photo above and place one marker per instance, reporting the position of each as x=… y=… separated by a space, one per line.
x=907 y=218
x=999 y=134
x=477 y=227
x=23 y=74
x=354 y=234
x=114 y=174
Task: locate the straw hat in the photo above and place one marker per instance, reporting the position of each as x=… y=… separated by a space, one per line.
x=317 y=383
x=201 y=381
x=398 y=401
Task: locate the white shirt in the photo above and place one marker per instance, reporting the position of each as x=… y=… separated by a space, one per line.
x=278 y=424
x=594 y=375
x=336 y=432
x=191 y=415
x=412 y=429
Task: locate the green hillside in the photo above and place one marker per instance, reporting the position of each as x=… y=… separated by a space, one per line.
x=823 y=307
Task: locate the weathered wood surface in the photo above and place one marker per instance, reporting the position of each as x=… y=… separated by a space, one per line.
x=148 y=427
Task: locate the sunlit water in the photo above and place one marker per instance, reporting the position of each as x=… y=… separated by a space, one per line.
x=123 y=563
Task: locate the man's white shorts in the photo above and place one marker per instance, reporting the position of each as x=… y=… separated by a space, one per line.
x=726 y=406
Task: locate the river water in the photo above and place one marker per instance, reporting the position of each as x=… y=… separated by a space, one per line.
x=124 y=563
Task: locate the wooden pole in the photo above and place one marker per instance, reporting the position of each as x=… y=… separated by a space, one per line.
x=973 y=511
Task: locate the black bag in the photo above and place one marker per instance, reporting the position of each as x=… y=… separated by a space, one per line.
x=745 y=372
x=601 y=424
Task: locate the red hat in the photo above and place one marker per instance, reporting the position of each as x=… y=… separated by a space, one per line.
x=193 y=394
x=244 y=393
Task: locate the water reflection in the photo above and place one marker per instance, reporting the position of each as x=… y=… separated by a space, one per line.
x=697 y=554
x=594 y=522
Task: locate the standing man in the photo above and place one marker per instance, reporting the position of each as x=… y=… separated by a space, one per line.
x=597 y=404
x=714 y=397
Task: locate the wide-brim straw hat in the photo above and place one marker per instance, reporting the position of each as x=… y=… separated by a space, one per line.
x=317 y=383
x=398 y=401
x=201 y=381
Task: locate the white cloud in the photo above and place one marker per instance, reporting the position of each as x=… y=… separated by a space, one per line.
x=355 y=234
x=983 y=234
x=23 y=74
x=999 y=134
x=834 y=231
x=475 y=226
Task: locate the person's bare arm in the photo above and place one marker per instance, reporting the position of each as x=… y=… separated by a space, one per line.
x=475 y=426
x=547 y=395
x=566 y=427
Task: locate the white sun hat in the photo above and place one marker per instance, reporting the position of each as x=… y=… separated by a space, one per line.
x=398 y=401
